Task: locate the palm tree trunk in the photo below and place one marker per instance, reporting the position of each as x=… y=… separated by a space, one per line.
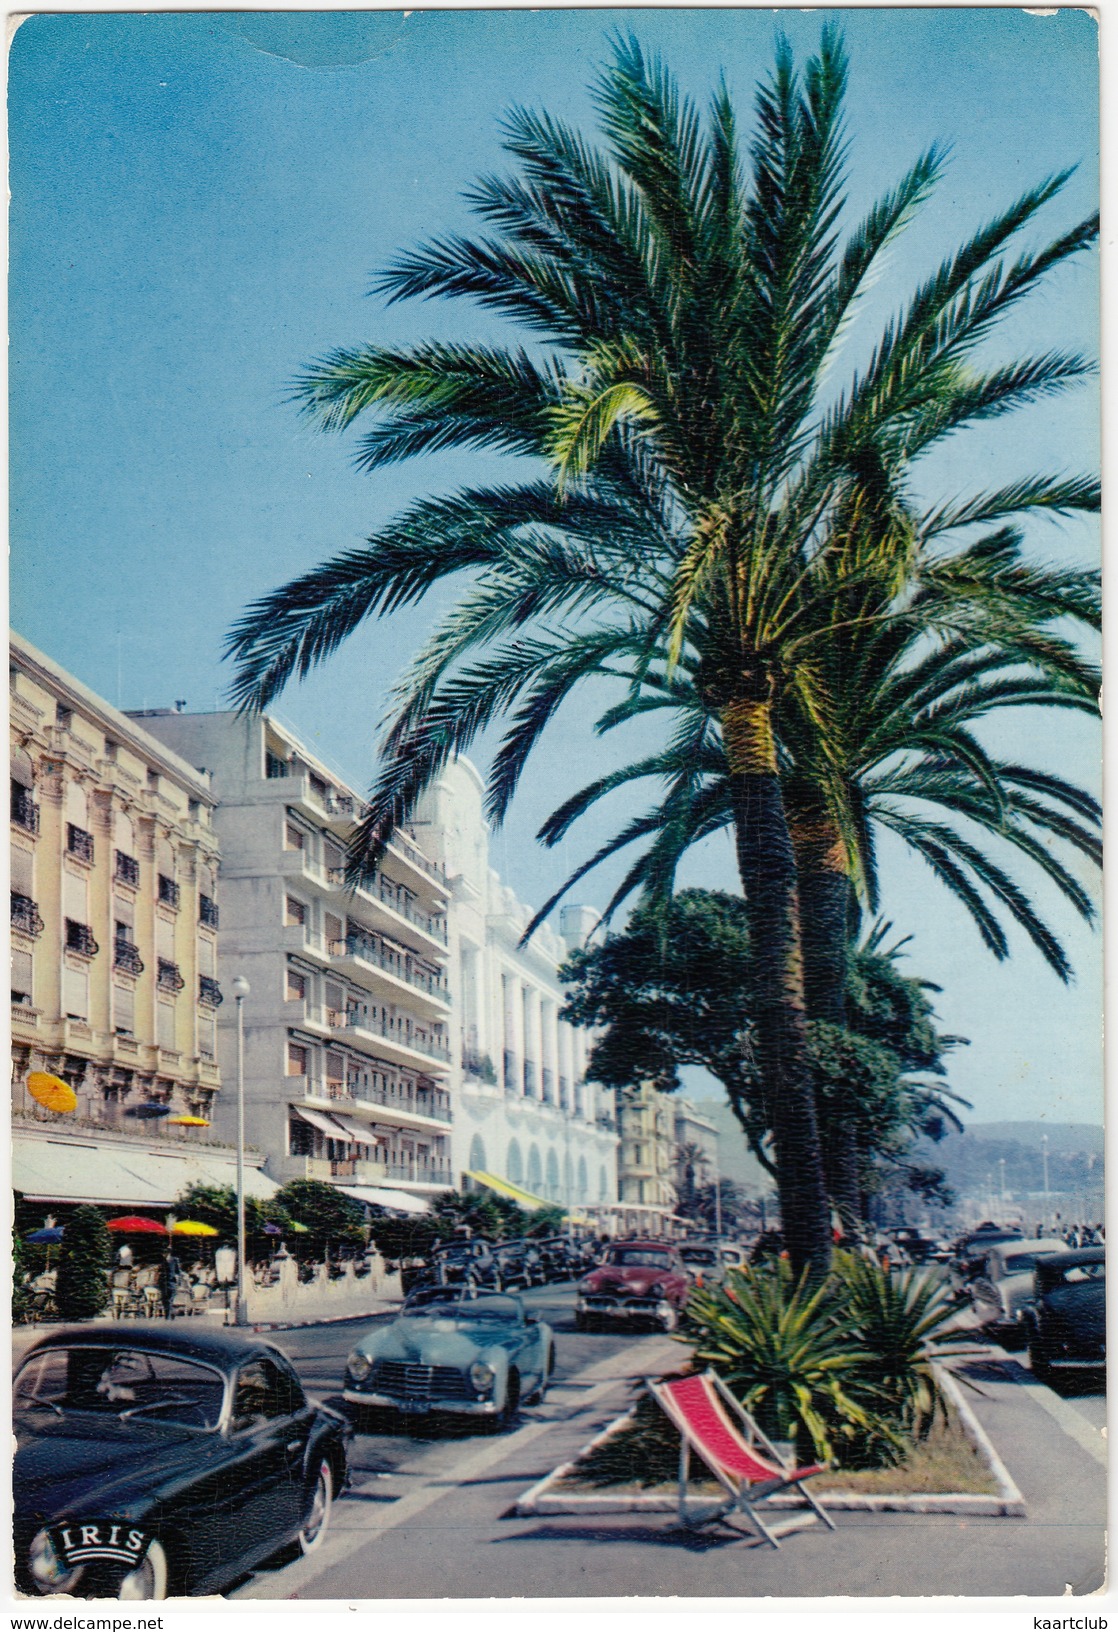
x=822 y=870
x=768 y=876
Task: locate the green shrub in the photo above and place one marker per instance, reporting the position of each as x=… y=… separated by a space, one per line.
x=82 y=1290
x=644 y=1452
x=784 y=1350
x=900 y=1319
x=19 y=1283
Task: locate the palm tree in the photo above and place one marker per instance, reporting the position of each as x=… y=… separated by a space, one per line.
x=687 y=312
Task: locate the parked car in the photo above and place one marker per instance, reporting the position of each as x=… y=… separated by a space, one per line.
x=518 y=1266
x=1005 y=1288
x=971 y=1249
x=456 y=1263
x=637 y=1281
x=453 y=1349
x=1066 y=1322
x=703 y=1262
x=169 y=1462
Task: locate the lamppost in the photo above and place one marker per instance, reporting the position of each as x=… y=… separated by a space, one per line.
x=1044 y=1158
x=241 y=989
x=1001 y=1166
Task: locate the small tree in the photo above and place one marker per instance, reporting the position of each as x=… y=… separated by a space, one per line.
x=328 y=1217
x=82 y=1290
x=19 y=1271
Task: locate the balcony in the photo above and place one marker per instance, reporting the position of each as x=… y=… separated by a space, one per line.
x=403 y=1106
x=364 y=949
x=25 y=915
x=25 y=812
x=398 y=900
x=79 y=843
x=79 y=939
x=127 y=957
x=207 y=912
x=402 y=1033
x=412 y=1171
x=127 y=870
x=168 y=892
x=209 y=992
x=169 y=977
x=344 y=1168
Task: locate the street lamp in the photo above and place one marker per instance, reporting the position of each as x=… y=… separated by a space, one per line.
x=241 y=989
x=1001 y=1165
x=1044 y=1157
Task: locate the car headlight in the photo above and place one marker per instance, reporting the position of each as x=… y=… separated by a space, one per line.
x=586 y=1285
x=359 y=1366
x=657 y=1291
x=481 y=1376
x=47 y=1568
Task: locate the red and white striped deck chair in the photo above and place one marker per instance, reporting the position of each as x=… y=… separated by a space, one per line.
x=720 y=1430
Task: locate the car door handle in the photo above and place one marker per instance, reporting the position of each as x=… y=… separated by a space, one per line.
x=295 y=1445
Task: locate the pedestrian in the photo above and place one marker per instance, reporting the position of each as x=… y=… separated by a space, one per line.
x=172 y=1275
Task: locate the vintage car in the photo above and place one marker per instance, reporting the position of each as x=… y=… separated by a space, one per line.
x=971 y=1249
x=1004 y=1289
x=165 y=1462
x=457 y=1262
x=1066 y=1322
x=519 y=1266
x=643 y=1281
x=453 y=1349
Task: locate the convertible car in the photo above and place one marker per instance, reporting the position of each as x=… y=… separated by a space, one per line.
x=453 y=1349
x=165 y=1463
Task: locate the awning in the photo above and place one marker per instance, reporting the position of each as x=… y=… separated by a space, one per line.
x=112 y=1175
x=513 y=1191
x=361 y=1132
x=324 y=1124
x=378 y=1197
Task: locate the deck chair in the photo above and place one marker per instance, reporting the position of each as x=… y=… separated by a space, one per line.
x=720 y=1430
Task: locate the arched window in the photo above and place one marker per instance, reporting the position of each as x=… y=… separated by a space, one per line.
x=552 y=1191
x=477 y=1155
x=583 y=1180
x=603 y=1185
x=568 y=1179
x=535 y=1170
x=514 y=1163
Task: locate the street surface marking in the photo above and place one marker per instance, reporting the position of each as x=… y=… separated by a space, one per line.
x=339 y=1545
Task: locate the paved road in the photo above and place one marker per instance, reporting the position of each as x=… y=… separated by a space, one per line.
x=433 y=1518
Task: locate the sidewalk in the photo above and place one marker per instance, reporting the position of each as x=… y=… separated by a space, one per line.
x=460 y=1541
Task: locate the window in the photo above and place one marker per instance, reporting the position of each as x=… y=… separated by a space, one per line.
x=293 y=837
x=124 y=1010
x=165 y=1025
x=127 y=870
x=168 y=891
x=274 y=766
x=207 y=911
x=153 y=780
x=111 y=748
x=75 y=993
x=297 y=1057
x=64 y=717
x=79 y=939
x=169 y=976
x=261 y=1394
x=79 y=843
x=296 y=911
x=22 y=985
x=296 y=986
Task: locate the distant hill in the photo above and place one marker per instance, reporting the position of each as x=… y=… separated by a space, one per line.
x=1061 y=1135
x=973 y=1163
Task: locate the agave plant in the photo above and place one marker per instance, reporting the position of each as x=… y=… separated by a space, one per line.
x=901 y=1321
x=778 y=1342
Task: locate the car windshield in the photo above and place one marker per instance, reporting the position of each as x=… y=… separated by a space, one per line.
x=698 y=1255
x=1075 y=1274
x=642 y=1257
x=444 y=1308
x=1020 y=1262
x=129 y=1383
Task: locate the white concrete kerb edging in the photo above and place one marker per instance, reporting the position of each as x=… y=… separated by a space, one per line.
x=1008 y=1502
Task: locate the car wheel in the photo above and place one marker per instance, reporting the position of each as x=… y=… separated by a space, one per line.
x=583 y=1323
x=322 y=1502
x=507 y=1414
x=147 y=1581
x=545 y=1380
x=1039 y=1362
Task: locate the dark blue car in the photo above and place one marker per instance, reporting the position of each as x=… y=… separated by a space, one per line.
x=165 y=1463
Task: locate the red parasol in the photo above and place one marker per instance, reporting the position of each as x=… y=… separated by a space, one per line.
x=135 y=1225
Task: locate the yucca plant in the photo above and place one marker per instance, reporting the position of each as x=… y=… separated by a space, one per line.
x=901 y=1320
x=782 y=1349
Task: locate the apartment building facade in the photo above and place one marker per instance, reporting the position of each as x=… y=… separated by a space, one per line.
x=114 y=914
x=346 y=1024
x=525 y=1116
x=646 y=1191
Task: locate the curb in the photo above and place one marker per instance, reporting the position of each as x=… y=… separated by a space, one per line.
x=1006 y=1503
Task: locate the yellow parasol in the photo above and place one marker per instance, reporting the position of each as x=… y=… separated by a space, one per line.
x=52 y=1092
x=187 y=1122
x=189 y=1226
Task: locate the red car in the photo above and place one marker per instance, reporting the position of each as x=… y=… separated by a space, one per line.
x=636 y=1281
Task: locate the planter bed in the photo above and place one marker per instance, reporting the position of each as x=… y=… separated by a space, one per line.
x=922 y=1486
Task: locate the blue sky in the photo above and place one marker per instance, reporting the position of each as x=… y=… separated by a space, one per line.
x=199 y=202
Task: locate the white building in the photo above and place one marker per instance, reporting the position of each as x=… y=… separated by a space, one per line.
x=347 y=1038
x=524 y=1114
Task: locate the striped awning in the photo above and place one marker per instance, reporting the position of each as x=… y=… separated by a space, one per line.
x=504 y=1188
